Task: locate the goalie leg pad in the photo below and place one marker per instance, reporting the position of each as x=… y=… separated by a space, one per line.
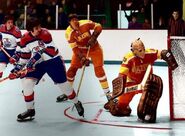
x=152 y=92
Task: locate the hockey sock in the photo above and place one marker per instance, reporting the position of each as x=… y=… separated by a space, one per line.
x=69 y=91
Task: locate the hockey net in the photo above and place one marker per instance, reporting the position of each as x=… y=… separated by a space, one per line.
x=177 y=79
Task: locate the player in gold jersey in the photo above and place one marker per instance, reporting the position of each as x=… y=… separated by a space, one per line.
x=80 y=39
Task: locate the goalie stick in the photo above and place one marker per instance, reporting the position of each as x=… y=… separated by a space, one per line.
x=133 y=88
x=142 y=84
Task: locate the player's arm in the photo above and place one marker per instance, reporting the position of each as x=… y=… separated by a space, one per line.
x=76 y=50
x=37 y=54
x=97 y=30
x=15 y=58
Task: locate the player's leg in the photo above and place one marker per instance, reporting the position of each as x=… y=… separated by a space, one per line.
x=28 y=83
x=28 y=93
x=122 y=108
x=71 y=73
x=56 y=70
x=147 y=107
x=96 y=56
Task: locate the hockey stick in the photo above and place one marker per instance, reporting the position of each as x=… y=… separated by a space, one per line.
x=7 y=54
x=3 y=79
x=142 y=84
x=82 y=75
x=134 y=88
x=83 y=71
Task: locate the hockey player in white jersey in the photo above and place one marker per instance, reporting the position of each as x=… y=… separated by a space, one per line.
x=38 y=56
x=9 y=37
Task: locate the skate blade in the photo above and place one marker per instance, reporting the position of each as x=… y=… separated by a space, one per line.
x=26 y=120
x=82 y=116
x=61 y=100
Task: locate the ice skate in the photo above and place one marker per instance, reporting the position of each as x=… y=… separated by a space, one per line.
x=79 y=108
x=62 y=98
x=106 y=105
x=26 y=116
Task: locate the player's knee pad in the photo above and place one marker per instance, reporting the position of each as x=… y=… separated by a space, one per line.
x=71 y=72
x=152 y=92
x=99 y=71
x=28 y=85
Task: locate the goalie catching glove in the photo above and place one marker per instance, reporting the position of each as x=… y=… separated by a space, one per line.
x=169 y=58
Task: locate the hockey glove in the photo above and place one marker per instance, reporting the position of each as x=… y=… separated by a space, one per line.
x=92 y=41
x=85 y=61
x=13 y=76
x=12 y=60
x=15 y=72
x=30 y=65
x=15 y=58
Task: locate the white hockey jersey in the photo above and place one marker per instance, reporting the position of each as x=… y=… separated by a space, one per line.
x=10 y=37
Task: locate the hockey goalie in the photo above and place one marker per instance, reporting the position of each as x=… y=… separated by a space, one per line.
x=136 y=76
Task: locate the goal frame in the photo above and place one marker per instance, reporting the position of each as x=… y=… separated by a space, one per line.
x=171 y=91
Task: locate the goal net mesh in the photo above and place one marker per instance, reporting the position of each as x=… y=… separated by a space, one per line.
x=177 y=80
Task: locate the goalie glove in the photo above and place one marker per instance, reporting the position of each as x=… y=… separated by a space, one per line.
x=169 y=58
x=92 y=41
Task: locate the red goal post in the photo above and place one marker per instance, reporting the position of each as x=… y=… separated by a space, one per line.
x=177 y=79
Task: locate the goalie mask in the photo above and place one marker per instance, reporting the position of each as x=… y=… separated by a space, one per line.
x=138 y=48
